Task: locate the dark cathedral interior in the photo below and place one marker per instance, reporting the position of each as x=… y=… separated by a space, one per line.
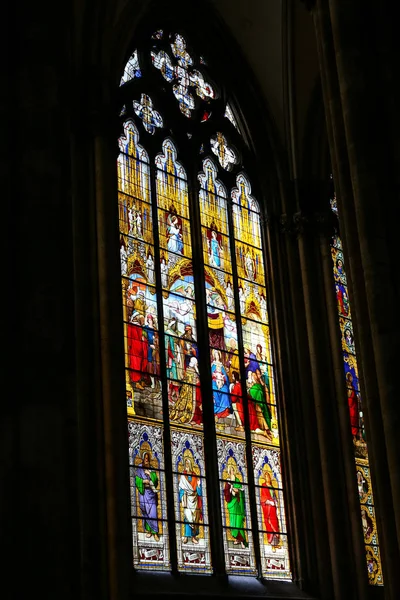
x=303 y=103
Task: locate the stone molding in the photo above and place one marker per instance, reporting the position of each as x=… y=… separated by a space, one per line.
x=309 y=4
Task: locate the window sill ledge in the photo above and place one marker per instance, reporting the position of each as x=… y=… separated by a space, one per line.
x=163 y=585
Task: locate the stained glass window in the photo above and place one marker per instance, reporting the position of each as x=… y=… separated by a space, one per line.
x=356 y=413
x=200 y=380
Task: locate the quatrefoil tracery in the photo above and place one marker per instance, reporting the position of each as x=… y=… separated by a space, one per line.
x=145 y=111
x=182 y=78
x=226 y=155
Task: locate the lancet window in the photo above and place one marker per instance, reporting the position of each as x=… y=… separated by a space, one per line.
x=356 y=412
x=202 y=408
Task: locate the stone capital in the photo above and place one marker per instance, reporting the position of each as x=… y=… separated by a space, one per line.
x=317 y=223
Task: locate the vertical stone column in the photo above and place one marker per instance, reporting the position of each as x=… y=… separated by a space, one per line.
x=89 y=452
x=361 y=227
x=325 y=405
x=39 y=510
x=115 y=436
x=367 y=134
x=303 y=445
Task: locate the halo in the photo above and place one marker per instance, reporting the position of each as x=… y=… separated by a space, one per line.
x=267 y=468
x=145 y=448
x=231 y=461
x=187 y=455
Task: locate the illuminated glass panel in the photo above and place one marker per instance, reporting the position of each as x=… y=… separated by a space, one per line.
x=192 y=525
x=142 y=362
x=132 y=69
x=271 y=511
x=182 y=354
x=148 y=497
x=219 y=243
x=354 y=400
x=259 y=372
x=235 y=504
x=225 y=368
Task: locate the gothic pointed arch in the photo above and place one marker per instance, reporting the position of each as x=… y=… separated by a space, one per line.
x=202 y=393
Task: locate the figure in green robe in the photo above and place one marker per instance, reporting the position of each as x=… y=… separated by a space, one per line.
x=234 y=498
x=257 y=396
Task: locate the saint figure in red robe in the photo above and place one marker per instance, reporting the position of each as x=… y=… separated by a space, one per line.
x=353 y=405
x=269 y=505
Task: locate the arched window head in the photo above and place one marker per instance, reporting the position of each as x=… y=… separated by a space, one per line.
x=203 y=413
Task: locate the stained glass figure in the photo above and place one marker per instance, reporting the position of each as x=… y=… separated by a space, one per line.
x=215 y=231
x=136 y=253
x=181 y=73
x=229 y=115
x=271 y=513
x=132 y=69
x=238 y=544
x=227 y=157
x=356 y=413
x=190 y=501
x=148 y=498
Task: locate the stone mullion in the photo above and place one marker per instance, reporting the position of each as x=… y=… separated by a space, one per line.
x=295 y=474
x=312 y=497
x=90 y=471
x=371 y=180
x=356 y=284
x=341 y=554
